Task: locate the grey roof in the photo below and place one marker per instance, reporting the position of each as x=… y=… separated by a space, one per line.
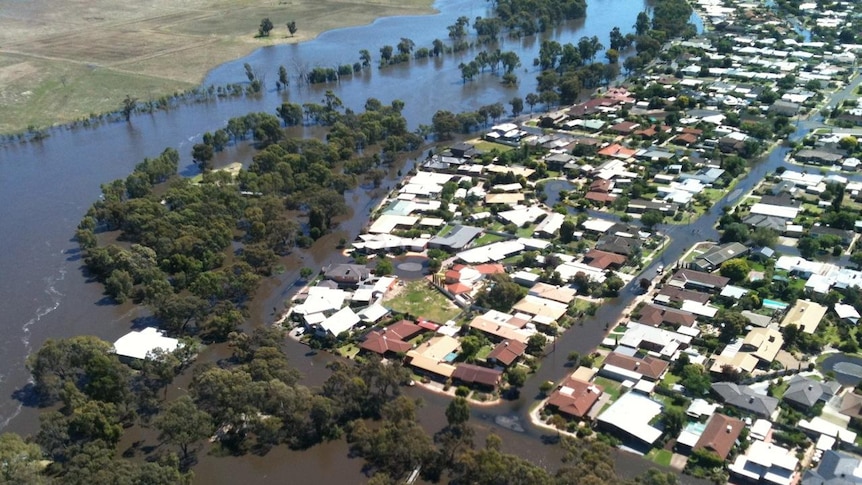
x=459 y=237
x=744 y=398
x=706 y=175
x=836 y=468
x=759 y=220
x=717 y=255
x=807 y=392
x=347 y=272
x=756 y=319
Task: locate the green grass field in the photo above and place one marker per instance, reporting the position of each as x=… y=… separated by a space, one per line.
x=420 y=299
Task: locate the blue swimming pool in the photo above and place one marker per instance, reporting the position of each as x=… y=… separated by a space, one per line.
x=774 y=305
x=450 y=356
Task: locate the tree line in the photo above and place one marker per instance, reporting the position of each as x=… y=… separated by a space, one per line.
x=253 y=401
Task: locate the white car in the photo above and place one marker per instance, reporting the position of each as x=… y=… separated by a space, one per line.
x=660 y=269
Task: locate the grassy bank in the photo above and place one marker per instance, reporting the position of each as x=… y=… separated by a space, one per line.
x=61 y=63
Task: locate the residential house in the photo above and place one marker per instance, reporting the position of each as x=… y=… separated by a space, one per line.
x=765 y=463
x=392 y=339
x=604 y=260
x=457 y=239
x=692 y=279
x=845 y=236
x=763 y=344
x=621 y=367
x=474 y=375
x=639 y=206
x=624 y=128
x=507 y=353
x=713 y=258
x=575 y=397
x=502 y=326
x=674 y=295
x=804 y=392
x=137 y=345
x=658 y=315
x=339 y=322
x=804 y=314
x=629 y=418
x=818 y=156
x=619 y=245
x=347 y=275
x=720 y=435
x=549 y=227
x=745 y=399
x=653 y=339
x=561 y=294
x=835 y=468
x=433 y=358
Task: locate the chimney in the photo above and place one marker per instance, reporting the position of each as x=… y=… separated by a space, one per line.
x=729 y=428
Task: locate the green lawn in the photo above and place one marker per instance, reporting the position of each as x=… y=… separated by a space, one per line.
x=487 y=146
x=662 y=457
x=349 y=351
x=488 y=238
x=446 y=230
x=526 y=232
x=420 y=299
x=778 y=391
x=482 y=354
x=610 y=387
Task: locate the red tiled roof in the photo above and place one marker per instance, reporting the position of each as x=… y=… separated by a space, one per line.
x=452 y=276
x=600 y=197
x=458 y=288
x=507 y=352
x=575 y=397
x=603 y=259
x=617 y=150
x=428 y=325
x=491 y=268
x=685 y=139
x=649 y=367
x=380 y=343
x=404 y=329
x=471 y=374
x=720 y=434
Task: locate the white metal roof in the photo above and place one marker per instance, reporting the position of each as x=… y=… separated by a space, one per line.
x=140 y=343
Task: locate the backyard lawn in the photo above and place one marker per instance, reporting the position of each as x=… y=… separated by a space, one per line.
x=662 y=457
x=420 y=299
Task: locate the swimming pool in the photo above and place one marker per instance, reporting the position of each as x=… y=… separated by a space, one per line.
x=774 y=305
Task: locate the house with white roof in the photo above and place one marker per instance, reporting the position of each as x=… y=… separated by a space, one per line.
x=341 y=321
x=140 y=344
x=630 y=417
x=765 y=463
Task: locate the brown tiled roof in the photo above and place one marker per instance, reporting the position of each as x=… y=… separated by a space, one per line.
x=453 y=276
x=600 y=197
x=458 y=288
x=648 y=366
x=507 y=352
x=381 y=343
x=600 y=185
x=685 y=139
x=602 y=259
x=720 y=434
x=656 y=315
x=470 y=374
x=490 y=268
x=624 y=127
x=403 y=329
x=700 y=278
x=575 y=397
x=680 y=294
